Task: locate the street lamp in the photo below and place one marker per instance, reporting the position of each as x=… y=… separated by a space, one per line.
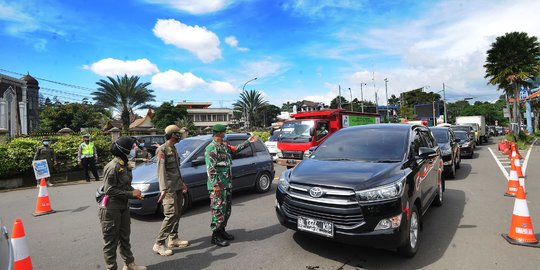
x=362 y=95
x=246 y=111
x=387 y=111
x=350 y=92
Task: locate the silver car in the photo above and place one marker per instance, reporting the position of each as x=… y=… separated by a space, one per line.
x=251 y=168
x=6 y=250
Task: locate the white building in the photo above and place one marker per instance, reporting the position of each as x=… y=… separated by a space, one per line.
x=19 y=101
x=204 y=117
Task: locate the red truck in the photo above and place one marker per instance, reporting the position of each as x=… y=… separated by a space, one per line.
x=309 y=129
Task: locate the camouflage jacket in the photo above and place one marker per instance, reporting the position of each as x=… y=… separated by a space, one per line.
x=218 y=163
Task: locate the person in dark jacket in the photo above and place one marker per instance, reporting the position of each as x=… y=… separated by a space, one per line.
x=46 y=152
x=114 y=211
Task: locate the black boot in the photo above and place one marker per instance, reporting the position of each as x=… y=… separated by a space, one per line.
x=218 y=240
x=226 y=235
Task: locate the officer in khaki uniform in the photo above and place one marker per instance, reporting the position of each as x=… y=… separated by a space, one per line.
x=114 y=211
x=172 y=188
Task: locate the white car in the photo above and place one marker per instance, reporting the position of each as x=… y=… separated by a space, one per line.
x=271 y=145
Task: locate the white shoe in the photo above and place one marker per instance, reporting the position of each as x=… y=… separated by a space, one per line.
x=177 y=243
x=133 y=266
x=162 y=250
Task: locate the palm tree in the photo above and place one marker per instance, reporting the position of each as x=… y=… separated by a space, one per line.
x=512 y=60
x=249 y=102
x=187 y=123
x=124 y=95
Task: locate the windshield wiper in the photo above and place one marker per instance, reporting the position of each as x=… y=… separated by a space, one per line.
x=386 y=161
x=339 y=159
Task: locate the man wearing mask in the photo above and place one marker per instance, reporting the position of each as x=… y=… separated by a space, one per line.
x=172 y=188
x=219 y=184
x=46 y=152
x=87 y=157
x=141 y=154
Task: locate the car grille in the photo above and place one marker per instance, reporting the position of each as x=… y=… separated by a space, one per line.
x=293 y=154
x=338 y=206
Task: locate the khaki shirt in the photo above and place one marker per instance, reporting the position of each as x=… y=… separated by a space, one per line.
x=117 y=184
x=168 y=168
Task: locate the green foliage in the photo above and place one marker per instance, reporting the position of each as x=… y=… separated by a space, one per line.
x=264 y=135
x=187 y=124
x=167 y=114
x=334 y=104
x=55 y=116
x=418 y=96
x=265 y=115
x=249 y=102
x=123 y=94
x=17 y=155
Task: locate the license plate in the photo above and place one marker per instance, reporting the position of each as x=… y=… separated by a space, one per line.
x=316 y=226
x=290 y=161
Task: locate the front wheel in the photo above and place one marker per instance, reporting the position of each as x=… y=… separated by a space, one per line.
x=263 y=183
x=410 y=247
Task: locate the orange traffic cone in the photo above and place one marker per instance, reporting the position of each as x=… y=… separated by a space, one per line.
x=517 y=165
x=513 y=184
x=20 y=248
x=43 y=206
x=521 y=230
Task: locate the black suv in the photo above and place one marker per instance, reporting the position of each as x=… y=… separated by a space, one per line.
x=450 y=151
x=366 y=185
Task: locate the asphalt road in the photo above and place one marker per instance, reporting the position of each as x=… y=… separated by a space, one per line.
x=465 y=233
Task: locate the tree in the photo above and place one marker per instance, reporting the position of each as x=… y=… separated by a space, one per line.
x=265 y=115
x=393 y=101
x=249 y=102
x=334 y=104
x=186 y=123
x=512 y=60
x=167 y=114
x=55 y=116
x=124 y=95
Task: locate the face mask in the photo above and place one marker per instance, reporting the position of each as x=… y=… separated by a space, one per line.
x=141 y=145
x=131 y=154
x=46 y=143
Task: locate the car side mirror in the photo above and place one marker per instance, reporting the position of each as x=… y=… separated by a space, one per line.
x=311 y=131
x=426 y=152
x=198 y=161
x=457 y=140
x=309 y=151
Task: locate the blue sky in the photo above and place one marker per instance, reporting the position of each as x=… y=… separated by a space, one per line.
x=298 y=49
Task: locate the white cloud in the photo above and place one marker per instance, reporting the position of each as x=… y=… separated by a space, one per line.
x=113 y=67
x=172 y=80
x=264 y=68
x=40 y=45
x=326 y=9
x=233 y=42
x=221 y=87
x=197 y=40
x=195 y=6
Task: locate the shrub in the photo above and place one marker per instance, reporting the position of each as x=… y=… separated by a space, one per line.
x=264 y=135
x=17 y=156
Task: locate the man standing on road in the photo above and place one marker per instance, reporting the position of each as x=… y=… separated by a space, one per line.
x=114 y=211
x=46 y=152
x=87 y=157
x=172 y=188
x=219 y=184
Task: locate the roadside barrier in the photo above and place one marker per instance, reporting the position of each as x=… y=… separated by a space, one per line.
x=517 y=165
x=514 y=151
x=21 y=254
x=513 y=184
x=43 y=206
x=521 y=229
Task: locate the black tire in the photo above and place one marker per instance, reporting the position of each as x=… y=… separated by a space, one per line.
x=410 y=247
x=263 y=182
x=439 y=198
x=458 y=163
x=451 y=173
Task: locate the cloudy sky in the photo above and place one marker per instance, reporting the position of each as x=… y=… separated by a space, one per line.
x=297 y=49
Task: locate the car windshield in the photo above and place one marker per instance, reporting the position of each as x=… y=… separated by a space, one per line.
x=274 y=136
x=462 y=135
x=464 y=128
x=369 y=145
x=473 y=126
x=296 y=131
x=441 y=135
x=185 y=147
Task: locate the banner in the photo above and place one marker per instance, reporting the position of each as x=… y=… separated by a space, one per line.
x=41 y=169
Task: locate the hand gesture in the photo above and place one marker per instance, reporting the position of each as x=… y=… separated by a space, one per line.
x=161 y=196
x=185 y=189
x=252 y=139
x=137 y=194
x=217 y=191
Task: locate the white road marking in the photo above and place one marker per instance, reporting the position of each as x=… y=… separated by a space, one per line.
x=502 y=167
x=503 y=170
x=524 y=167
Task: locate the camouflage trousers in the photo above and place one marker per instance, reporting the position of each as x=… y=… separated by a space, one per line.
x=221 y=209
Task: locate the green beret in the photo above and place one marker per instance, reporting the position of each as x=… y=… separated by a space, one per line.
x=219 y=128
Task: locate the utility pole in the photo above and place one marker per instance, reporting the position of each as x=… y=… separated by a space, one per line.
x=246 y=110
x=386 y=89
x=339 y=97
x=376 y=103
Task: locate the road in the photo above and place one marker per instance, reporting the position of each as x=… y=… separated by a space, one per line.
x=465 y=233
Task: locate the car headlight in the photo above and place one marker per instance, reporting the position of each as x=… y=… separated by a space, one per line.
x=382 y=193
x=141 y=187
x=467 y=144
x=283 y=183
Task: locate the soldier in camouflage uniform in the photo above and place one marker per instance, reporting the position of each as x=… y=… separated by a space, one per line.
x=114 y=211
x=218 y=165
